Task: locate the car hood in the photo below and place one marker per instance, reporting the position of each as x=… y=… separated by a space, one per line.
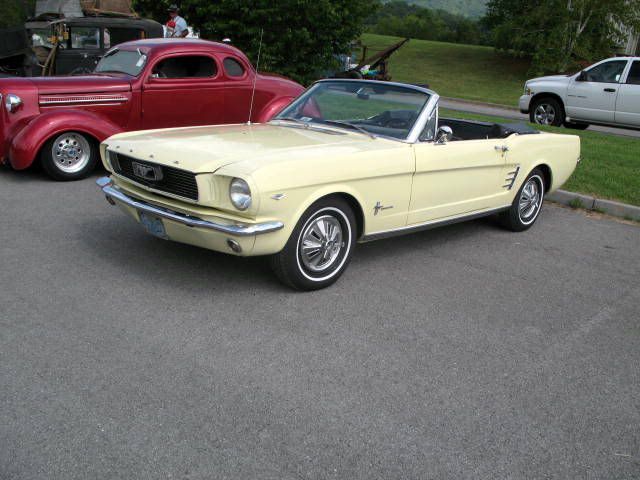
x=80 y=84
x=206 y=149
x=552 y=78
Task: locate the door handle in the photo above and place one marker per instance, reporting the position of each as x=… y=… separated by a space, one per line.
x=610 y=90
x=501 y=148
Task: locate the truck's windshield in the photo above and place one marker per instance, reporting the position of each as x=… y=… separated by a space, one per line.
x=130 y=62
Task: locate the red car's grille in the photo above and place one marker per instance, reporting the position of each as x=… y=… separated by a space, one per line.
x=171 y=180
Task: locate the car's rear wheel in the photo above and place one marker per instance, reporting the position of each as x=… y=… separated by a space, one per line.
x=547 y=111
x=526 y=206
x=319 y=248
x=69 y=156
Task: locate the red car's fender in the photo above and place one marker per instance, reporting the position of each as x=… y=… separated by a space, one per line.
x=26 y=145
x=271 y=109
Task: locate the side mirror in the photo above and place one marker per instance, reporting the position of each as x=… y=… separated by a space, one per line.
x=443 y=135
x=582 y=76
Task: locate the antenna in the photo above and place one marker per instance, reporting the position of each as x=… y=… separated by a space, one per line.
x=255 y=77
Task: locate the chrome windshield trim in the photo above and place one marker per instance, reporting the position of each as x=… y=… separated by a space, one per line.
x=425 y=113
x=241 y=230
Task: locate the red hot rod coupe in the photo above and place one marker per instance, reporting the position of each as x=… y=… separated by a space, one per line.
x=139 y=85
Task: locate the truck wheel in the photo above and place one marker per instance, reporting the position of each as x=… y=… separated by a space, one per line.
x=526 y=206
x=319 y=248
x=547 y=111
x=69 y=156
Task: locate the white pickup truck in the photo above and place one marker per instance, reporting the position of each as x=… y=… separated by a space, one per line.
x=607 y=93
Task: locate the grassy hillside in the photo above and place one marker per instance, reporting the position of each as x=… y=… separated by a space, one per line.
x=468 y=8
x=463 y=71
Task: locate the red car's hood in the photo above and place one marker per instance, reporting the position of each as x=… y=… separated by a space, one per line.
x=80 y=84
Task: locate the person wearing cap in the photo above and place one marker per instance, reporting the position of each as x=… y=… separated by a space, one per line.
x=176 y=26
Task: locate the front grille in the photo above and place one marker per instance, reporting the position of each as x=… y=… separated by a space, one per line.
x=175 y=181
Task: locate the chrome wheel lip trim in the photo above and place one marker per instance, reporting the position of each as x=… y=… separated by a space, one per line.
x=73 y=155
x=321 y=243
x=347 y=239
x=529 y=207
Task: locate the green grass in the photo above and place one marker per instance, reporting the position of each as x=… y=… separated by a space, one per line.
x=463 y=71
x=610 y=166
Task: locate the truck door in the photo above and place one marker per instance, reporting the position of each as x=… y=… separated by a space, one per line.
x=628 y=102
x=592 y=95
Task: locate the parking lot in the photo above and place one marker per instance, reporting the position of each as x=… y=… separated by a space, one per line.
x=464 y=352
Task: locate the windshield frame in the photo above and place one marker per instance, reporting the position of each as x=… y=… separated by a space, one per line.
x=429 y=108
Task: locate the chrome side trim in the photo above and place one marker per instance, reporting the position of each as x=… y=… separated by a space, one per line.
x=112 y=192
x=97 y=99
x=431 y=224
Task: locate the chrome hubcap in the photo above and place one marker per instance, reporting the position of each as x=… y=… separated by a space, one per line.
x=321 y=243
x=545 y=114
x=70 y=152
x=530 y=200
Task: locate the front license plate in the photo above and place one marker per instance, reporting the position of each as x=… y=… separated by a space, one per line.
x=153 y=225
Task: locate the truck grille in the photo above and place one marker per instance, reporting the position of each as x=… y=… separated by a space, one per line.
x=172 y=180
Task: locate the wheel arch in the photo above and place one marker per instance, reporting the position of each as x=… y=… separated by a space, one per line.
x=539 y=96
x=547 y=175
x=27 y=146
x=352 y=198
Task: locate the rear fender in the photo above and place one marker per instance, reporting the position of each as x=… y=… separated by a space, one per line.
x=26 y=145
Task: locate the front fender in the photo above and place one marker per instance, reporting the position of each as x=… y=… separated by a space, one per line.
x=299 y=202
x=273 y=108
x=27 y=143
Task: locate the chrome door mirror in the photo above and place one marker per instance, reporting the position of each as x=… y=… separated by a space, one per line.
x=443 y=135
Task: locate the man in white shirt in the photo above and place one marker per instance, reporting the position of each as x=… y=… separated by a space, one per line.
x=176 y=26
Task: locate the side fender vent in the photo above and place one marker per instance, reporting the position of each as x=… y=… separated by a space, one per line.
x=511 y=178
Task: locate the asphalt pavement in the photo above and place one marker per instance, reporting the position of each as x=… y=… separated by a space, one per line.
x=495 y=110
x=466 y=352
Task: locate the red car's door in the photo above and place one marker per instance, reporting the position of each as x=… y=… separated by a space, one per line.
x=183 y=90
x=238 y=80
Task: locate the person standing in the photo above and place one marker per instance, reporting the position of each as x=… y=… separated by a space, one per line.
x=176 y=26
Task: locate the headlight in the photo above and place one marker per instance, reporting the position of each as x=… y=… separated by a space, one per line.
x=527 y=90
x=12 y=102
x=240 y=194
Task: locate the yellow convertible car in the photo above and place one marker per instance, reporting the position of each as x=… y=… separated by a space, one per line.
x=348 y=161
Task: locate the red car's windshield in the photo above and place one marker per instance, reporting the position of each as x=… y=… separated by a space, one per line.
x=130 y=62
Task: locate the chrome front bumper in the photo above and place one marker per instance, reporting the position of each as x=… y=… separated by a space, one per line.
x=114 y=194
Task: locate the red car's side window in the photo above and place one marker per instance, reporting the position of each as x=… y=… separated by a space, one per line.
x=185 y=66
x=233 y=68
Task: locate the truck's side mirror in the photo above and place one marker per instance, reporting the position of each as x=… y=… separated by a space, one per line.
x=582 y=76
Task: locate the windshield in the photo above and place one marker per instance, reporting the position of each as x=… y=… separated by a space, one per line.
x=371 y=108
x=130 y=62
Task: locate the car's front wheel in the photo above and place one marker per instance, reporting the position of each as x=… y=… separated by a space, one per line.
x=547 y=111
x=319 y=248
x=69 y=156
x=526 y=206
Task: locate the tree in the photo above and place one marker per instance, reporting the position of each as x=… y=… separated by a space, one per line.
x=558 y=33
x=301 y=37
x=15 y=12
